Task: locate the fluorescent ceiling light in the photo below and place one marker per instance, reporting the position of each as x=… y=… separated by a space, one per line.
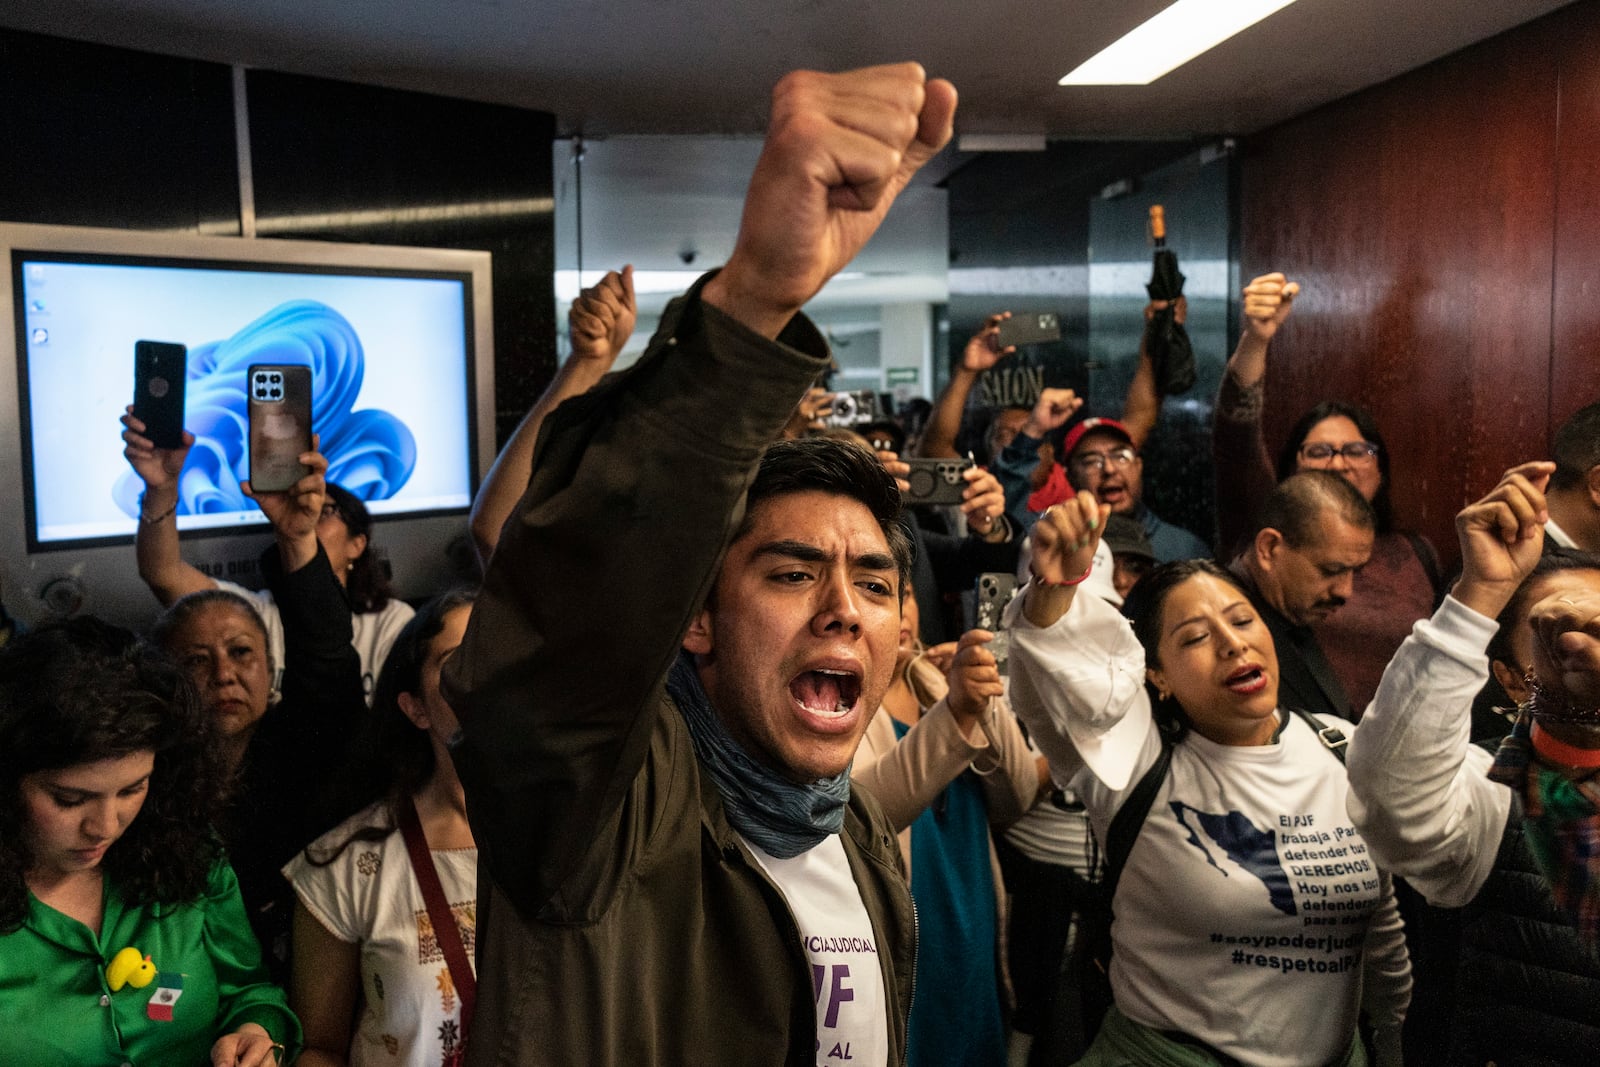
x=1169 y=40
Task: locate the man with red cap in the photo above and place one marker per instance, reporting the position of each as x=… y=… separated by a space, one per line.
x=1100 y=456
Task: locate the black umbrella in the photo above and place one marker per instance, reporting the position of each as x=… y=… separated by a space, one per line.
x=1171 y=354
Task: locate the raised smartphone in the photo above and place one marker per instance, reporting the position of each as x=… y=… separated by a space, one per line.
x=1029 y=328
x=160 y=369
x=936 y=481
x=280 y=424
x=994 y=591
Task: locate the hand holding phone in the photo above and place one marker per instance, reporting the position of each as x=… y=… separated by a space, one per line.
x=296 y=511
x=1029 y=328
x=994 y=591
x=936 y=481
x=158 y=468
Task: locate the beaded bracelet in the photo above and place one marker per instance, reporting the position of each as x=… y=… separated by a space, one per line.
x=1047 y=583
x=151 y=520
x=1546 y=705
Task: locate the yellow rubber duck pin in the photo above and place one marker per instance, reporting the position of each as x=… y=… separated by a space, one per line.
x=129 y=967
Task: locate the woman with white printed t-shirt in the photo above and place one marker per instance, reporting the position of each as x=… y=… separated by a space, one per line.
x=1251 y=924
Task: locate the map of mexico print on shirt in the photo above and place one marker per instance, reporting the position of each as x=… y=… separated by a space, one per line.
x=1254 y=850
x=1257 y=852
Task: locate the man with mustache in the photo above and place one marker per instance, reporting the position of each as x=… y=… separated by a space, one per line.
x=1315 y=531
x=1101 y=457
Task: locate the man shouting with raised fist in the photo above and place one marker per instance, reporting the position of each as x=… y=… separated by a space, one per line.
x=677 y=650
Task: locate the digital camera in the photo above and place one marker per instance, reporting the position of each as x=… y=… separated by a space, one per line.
x=853 y=409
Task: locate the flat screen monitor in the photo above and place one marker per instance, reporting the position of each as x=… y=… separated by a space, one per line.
x=397 y=341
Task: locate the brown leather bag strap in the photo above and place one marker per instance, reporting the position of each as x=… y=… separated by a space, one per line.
x=445 y=930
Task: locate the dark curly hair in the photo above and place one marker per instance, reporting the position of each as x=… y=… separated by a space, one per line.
x=368 y=580
x=1144 y=606
x=83 y=691
x=391 y=758
x=1367 y=427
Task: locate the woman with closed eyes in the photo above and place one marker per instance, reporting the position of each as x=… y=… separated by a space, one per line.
x=1249 y=925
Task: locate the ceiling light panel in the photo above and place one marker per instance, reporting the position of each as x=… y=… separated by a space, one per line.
x=1169 y=40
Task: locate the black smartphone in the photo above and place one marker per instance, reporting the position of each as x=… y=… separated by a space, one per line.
x=280 y=424
x=936 y=481
x=1029 y=328
x=160 y=369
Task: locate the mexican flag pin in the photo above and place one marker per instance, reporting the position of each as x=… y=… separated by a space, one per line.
x=169 y=987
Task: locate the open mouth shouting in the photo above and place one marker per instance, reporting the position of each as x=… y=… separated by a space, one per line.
x=1247 y=680
x=1113 y=491
x=828 y=696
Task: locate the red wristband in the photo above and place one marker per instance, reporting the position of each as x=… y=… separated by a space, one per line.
x=1061 y=585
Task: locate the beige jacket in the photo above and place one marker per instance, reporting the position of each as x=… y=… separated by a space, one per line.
x=907 y=775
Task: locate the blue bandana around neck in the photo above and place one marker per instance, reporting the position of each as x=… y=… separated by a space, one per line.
x=780 y=817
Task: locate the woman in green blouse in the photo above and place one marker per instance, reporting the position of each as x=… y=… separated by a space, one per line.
x=122 y=935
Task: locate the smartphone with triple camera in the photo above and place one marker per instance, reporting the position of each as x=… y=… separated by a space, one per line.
x=160 y=369
x=1029 y=328
x=936 y=481
x=279 y=409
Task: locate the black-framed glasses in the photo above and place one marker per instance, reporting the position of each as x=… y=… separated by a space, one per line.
x=1354 y=452
x=1098 y=461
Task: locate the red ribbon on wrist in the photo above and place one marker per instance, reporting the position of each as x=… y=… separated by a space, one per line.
x=1061 y=585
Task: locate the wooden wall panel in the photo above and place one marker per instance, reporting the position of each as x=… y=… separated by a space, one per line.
x=1422 y=218
x=1575 y=307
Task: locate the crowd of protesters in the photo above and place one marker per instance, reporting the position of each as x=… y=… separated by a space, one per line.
x=749 y=749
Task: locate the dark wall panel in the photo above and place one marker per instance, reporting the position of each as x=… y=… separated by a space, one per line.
x=1422 y=218
x=337 y=161
x=98 y=136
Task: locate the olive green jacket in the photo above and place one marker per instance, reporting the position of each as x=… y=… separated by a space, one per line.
x=622 y=920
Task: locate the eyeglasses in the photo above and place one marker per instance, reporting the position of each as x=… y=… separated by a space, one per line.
x=1095 y=462
x=1354 y=452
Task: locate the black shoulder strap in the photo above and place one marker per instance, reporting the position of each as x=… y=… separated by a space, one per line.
x=1333 y=739
x=1129 y=820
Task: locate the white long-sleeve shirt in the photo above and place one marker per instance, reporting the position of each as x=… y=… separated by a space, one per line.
x=1419 y=788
